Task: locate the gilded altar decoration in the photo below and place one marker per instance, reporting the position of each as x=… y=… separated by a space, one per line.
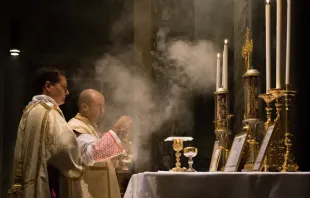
x=222 y=122
x=247 y=50
x=289 y=164
x=261 y=159
x=276 y=150
x=251 y=121
x=178 y=147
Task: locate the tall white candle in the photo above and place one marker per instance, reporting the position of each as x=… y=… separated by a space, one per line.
x=288 y=43
x=278 y=50
x=218 y=72
x=225 y=65
x=268 y=59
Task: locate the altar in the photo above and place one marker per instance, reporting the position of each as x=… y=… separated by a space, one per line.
x=219 y=185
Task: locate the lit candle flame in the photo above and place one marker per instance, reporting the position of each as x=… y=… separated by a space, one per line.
x=218 y=55
x=267 y=1
x=225 y=41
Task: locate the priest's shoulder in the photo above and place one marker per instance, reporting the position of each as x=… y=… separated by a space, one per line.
x=78 y=127
x=36 y=106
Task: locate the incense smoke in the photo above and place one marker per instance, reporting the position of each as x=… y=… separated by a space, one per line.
x=182 y=67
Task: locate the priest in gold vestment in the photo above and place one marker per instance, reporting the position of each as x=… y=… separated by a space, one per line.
x=99 y=179
x=44 y=139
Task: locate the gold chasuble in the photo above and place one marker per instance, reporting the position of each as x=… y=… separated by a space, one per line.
x=44 y=138
x=99 y=180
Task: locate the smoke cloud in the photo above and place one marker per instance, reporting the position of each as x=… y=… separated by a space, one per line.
x=181 y=67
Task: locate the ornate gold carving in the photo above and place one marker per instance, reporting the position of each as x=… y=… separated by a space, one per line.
x=178 y=146
x=222 y=118
x=276 y=149
x=268 y=98
x=16 y=191
x=289 y=164
x=247 y=50
x=40 y=154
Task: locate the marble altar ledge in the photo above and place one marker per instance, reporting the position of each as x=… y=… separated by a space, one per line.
x=164 y=184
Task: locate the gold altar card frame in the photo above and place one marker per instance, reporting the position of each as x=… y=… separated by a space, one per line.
x=234 y=157
x=215 y=156
x=263 y=148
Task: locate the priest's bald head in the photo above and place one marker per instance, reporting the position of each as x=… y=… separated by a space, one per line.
x=91 y=105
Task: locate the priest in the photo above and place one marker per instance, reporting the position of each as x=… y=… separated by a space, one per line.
x=99 y=179
x=44 y=139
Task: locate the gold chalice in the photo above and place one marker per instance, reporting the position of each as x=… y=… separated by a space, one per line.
x=177 y=147
x=190 y=152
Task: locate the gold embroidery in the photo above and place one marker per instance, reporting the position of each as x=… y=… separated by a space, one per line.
x=88 y=123
x=45 y=105
x=16 y=190
x=55 y=107
x=81 y=129
x=40 y=154
x=58 y=110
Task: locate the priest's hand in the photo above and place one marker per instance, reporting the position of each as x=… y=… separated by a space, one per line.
x=122 y=126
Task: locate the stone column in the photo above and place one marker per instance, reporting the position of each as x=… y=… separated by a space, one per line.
x=143 y=28
x=240 y=24
x=143 y=10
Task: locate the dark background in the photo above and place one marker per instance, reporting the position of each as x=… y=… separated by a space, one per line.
x=71 y=34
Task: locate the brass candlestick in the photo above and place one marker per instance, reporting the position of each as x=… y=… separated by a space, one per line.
x=289 y=164
x=277 y=147
x=222 y=118
x=268 y=98
x=277 y=94
x=251 y=119
x=251 y=116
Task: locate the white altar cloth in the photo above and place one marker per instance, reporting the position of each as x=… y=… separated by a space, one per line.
x=219 y=185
